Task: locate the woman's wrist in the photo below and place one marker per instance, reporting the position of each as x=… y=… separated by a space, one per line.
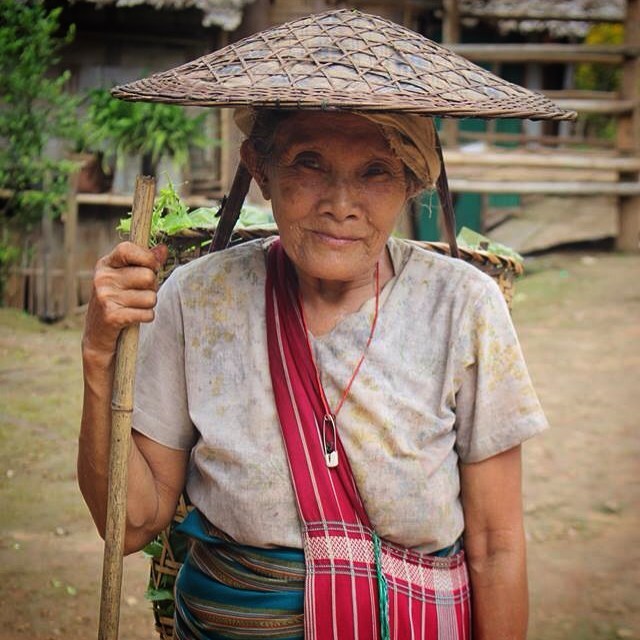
x=97 y=356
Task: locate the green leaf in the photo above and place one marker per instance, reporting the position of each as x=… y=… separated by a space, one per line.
x=171 y=215
x=158 y=594
x=153 y=549
x=204 y=218
x=470 y=239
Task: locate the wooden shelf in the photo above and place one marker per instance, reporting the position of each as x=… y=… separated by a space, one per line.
x=126 y=200
x=549 y=53
x=529 y=14
x=522 y=138
x=597 y=106
x=541 y=159
x=579 y=94
x=463 y=185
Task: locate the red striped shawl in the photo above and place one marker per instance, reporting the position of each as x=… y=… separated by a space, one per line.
x=428 y=596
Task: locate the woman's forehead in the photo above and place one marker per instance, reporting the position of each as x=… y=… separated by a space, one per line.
x=320 y=128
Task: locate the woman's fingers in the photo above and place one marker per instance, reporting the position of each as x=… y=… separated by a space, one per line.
x=127 y=254
x=124 y=293
x=123 y=278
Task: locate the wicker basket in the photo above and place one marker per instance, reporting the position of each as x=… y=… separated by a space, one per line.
x=503 y=269
x=193 y=244
x=166 y=563
x=164 y=568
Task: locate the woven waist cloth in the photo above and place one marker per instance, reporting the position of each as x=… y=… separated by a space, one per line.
x=229 y=591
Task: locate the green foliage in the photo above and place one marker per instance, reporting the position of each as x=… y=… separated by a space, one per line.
x=144 y=128
x=600 y=77
x=470 y=239
x=161 y=594
x=171 y=216
x=34 y=108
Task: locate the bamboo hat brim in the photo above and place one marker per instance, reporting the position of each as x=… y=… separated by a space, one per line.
x=343 y=60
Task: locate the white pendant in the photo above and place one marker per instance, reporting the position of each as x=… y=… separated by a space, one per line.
x=330 y=452
x=331 y=459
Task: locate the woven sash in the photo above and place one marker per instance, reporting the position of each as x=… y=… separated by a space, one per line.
x=349 y=570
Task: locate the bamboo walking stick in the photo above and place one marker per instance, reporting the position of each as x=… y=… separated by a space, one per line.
x=121 y=413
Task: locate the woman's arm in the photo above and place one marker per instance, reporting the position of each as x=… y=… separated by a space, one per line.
x=124 y=292
x=495 y=546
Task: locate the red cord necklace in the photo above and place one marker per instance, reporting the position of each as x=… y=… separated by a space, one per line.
x=329 y=420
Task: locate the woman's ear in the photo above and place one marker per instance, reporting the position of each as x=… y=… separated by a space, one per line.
x=256 y=167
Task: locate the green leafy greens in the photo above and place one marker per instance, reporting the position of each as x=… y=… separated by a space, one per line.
x=171 y=216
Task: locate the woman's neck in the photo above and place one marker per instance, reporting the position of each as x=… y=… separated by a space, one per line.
x=327 y=302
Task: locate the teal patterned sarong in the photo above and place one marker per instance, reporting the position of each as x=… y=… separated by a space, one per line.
x=226 y=591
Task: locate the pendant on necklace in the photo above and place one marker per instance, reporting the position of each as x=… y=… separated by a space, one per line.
x=331 y=458
x=330 y=451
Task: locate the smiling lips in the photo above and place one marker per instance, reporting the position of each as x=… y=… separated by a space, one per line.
x=334 y=240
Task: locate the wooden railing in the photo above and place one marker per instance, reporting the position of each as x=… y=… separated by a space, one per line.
x=608 y=167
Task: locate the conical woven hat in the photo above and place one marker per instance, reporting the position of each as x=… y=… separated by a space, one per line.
x=344 y=60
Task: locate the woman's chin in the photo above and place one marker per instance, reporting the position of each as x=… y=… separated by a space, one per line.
x=335 y=268
x=330 y=258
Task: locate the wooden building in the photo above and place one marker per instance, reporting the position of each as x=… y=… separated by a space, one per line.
x=537 y=44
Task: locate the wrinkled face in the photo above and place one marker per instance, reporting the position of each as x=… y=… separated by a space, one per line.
x=336 y=190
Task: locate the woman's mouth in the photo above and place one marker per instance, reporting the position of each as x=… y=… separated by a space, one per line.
x=335 y=240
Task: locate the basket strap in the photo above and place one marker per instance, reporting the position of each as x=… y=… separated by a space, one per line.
x=230 y=208
x=446 y=204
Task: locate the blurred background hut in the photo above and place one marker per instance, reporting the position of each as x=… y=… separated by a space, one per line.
x=530 y=185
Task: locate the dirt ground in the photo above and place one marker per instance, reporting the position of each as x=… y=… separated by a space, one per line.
x=578 y=316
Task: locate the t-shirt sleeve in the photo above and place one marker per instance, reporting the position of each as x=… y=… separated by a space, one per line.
x=496 y=406
x=160 y=398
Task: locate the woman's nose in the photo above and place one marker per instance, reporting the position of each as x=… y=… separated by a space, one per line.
x=342 y=199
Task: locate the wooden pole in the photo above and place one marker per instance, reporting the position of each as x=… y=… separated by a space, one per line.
x=71 y=248
x=450 y=36
x=121 y=411
x=628 y=134
x=44 y=306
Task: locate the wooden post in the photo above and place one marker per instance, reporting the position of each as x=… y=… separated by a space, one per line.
x=70 y=247
x=44 y=308
x=121 y=411
x=450 y=35
x=226 y=131
x=628 y=133
x=533 y=75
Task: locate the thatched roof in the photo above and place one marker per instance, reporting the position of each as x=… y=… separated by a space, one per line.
x=226 y=14
x=540 y=11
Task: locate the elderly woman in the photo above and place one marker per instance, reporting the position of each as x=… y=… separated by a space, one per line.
x=344 y=408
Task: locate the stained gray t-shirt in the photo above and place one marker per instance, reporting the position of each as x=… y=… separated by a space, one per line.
x=443 y=381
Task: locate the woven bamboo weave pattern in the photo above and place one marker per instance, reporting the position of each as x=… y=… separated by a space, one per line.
x=345 y=60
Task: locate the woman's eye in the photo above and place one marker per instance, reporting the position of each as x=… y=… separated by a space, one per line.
x=376 y=170
x=308 y=161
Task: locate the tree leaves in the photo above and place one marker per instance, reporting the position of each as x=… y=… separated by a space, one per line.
x=143 y=128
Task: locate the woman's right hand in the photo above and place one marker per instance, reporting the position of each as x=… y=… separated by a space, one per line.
x=123 y=293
